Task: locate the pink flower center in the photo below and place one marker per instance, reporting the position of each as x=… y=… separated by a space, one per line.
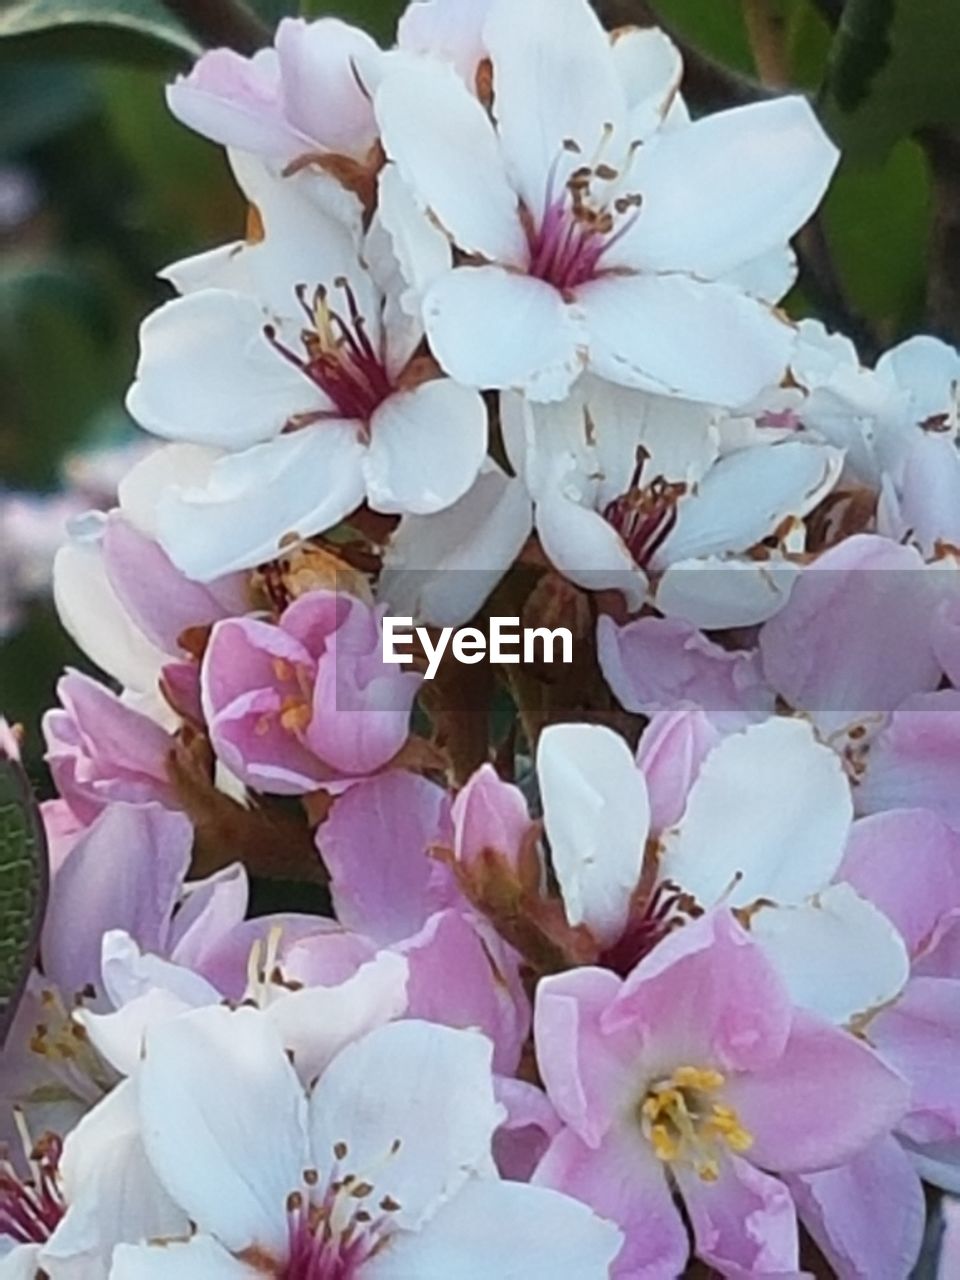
x=645 y=515
x=332 y=1233
x=337 y=356
x=581 y=221
x=31 y=1207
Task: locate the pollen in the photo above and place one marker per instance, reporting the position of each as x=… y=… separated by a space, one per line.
x=685 y=1123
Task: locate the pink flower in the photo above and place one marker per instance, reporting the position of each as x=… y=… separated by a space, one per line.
x=294 y=707
x=918 y=1034
x=100 y=750
x=696 y=1072
x=388 y=892
x=489 y=818
x=304 y=96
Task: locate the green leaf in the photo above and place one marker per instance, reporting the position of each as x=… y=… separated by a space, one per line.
x=893 y=69
x=138 y=30
x=24 y=881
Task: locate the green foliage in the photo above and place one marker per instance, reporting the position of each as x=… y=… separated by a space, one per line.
x=893 y=70
x=24 y=875
x=138 y=30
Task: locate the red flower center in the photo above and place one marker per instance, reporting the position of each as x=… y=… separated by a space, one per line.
x=337 y=356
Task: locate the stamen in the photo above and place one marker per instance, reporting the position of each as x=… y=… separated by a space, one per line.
x=684 y=1123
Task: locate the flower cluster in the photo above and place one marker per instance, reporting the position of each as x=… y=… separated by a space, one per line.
x=648 y=962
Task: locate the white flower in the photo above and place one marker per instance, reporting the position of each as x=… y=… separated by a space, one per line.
x=383 y=1170
x=293 y=360
x=635 y=494
x=593 y=236
x=441 y=568
x=764 y=830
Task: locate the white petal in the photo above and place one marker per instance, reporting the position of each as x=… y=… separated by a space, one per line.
x=680 y=438
x=716 y=593
x=445 y=147
x=224 y=267
x=198 y=1259
x=426 y=448
x=767 y=818
x=547 y=442
x=838 y=955
x=447 y=29
x=540 y=1235
x=727 y=189
x=95 y=619
x=293 y=487
x=554 y=80
x=782 y=480
x=315 y=1023
x=421 y=248
x=208 y=375
x=228 y=1144
x=493 y=329
x=683 y=337
x=650 y=69
x=323 y=93
x=112 y=1192
x=588 y=550
x=413 y=1103
x=597 y=818
x=769 y=277
x=441 y=568
x=185 y=465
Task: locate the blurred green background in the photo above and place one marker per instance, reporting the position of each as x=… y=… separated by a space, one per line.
x=99 y=188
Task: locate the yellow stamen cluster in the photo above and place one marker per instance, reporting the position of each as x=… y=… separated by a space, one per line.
x=684 y=1123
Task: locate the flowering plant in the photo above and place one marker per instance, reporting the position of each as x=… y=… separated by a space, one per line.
x=639 y=964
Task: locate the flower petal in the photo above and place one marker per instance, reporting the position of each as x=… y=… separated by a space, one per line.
x=292 y=487
x=838 y=955
x=744 y=1224
x=440 y=569
x=867 y=1216
x=207 y=374
x=842 y=1096
x=228 y=1146
x=200 y=1258
x=652 y=664
x=588 y=550
x=786 y=480
x=597 y=818
x=413 y=1103
x=490 y=328
x=322 y=91
x=445 y=147
x=554 y=80
x=728 y=188
x=426 y=448
x=767 y=818
x=539 y=1234
x=679 y=336
x=622 y=1181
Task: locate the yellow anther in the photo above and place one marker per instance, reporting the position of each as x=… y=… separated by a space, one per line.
x=683 y=1123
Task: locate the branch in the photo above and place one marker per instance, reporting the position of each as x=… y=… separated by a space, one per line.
x=221 y=24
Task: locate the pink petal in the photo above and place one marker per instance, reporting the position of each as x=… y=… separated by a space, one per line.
x=907 y=863
x=672 y=749
x=841 y=1095
x=915 y=762
x=707 y=994
x=623 y=1181
x=867 y=1216
x=652 y=664
x=855 y=635
x=919 y=1036
x=374 y=844
x=744 y=1224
